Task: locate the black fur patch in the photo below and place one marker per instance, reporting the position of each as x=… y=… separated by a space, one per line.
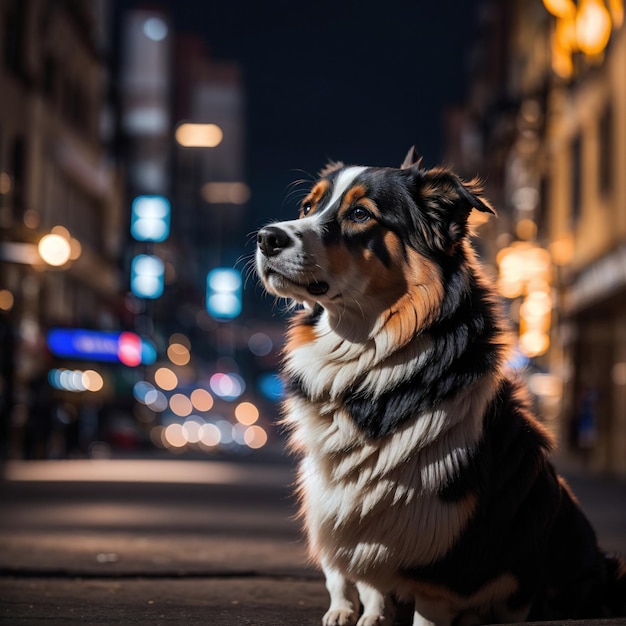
x=526 y=522
x=464 y=350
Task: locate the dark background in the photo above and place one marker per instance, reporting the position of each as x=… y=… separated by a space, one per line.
x=356 y=81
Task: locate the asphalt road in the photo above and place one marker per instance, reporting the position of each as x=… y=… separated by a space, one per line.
x=177 y=542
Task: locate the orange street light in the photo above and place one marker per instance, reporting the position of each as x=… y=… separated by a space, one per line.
x=190 y=135
x=593 y=27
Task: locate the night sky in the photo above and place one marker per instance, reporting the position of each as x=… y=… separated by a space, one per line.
x=357 y=81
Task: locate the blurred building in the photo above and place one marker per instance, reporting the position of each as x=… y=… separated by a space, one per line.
x=545 y=124
x=56 y=179
x=182 y=140
x=209 y=182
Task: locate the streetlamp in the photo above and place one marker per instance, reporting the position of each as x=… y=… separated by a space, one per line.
x=191 y=135
x=584 y=28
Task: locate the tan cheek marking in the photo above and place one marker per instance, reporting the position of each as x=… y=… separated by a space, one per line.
x=299 y=335
x=420 y=304
x=385 y=280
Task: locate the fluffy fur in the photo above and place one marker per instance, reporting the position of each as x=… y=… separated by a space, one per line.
x=423 y=473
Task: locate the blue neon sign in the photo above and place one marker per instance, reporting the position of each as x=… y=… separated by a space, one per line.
x=101 y=345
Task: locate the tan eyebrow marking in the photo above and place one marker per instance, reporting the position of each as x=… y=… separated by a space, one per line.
x=319 y=189
x=358 y=195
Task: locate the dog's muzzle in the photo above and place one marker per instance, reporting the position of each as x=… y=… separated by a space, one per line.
x=272 y=241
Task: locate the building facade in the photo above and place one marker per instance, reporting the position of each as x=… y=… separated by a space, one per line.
x=545 y=124
x=56 y=178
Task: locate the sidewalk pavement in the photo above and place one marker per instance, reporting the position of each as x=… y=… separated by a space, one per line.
x=148 y=553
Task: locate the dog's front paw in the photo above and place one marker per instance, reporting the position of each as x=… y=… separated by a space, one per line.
x=339 y=617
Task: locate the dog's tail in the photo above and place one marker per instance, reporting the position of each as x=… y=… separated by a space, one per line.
x=615 y=585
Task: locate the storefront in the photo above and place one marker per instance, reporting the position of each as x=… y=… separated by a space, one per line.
x=594 y=332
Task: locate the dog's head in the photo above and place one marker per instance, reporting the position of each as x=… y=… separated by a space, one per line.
x=366 y=237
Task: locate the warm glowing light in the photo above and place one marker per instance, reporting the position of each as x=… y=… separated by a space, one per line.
x=537 y=304
x=199 y=135
x=54 y=249
x=92 y=380
x=534 y=343
x=562 y=64
x=225 y=193
x=546 y=385
x=562 y=250
x=178 y=354
x=174 y=436
x=202 y=400
x=165 y=378
x=210 y=435
x=181 y=405
x=75 y=249
x=510 y=288
x=593 y=27
x=255 y=437
x=526 y=229
x=560 y=8
x=617 y=12
x=192 y=429
x=246 y=413
x=5 y=183
x=6 y=300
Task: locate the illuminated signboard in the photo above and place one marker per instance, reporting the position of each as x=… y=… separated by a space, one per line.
x=150 y=218
x=223 y=294
x=101 y=345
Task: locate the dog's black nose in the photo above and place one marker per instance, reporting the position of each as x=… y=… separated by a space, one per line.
x=272 y=240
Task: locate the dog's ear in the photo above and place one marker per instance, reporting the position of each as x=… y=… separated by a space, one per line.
x=330 y=167
x=447 y=201
x=411 y=159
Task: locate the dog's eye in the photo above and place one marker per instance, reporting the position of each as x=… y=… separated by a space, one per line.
x=360 y=215
x=306 y=208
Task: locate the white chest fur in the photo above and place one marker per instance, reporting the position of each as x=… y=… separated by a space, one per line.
x=371 y=506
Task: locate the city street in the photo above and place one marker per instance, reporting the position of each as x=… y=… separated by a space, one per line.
x=177 y=542
x=111 y=542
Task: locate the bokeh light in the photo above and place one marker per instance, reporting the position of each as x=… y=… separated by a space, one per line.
x=156 y=400
x=174 y=436
x=192 y=428
x=227 y=386
x=178 y=354
x=54 y=249
x=180 y=405
x=6 y=300
x=255 y=437
x=260 y=344
x=166 y=378
x=210 y=435
x=92 y=381
x=201 y=399
x=246 y=413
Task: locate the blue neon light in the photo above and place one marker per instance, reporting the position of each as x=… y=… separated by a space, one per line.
x=101 y=345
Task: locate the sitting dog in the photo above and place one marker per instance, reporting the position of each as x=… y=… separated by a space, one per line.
x=424 y=475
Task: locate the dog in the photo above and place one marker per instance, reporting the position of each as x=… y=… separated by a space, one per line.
x=423 y=474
